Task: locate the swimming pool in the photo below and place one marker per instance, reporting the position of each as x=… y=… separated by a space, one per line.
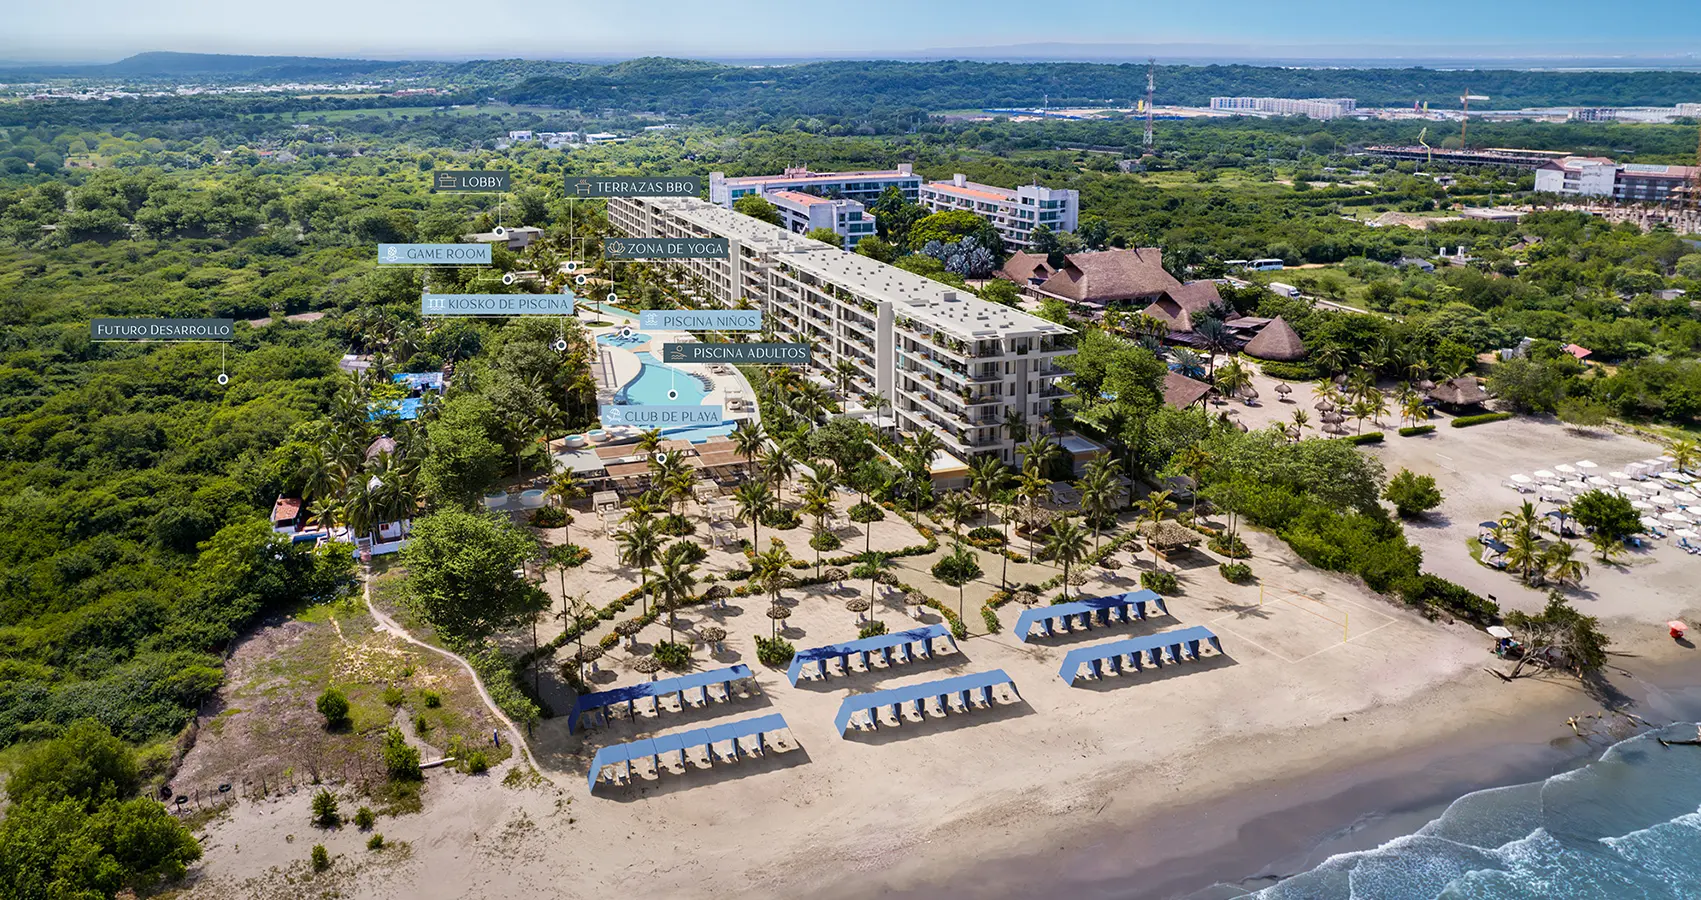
x=650 y=387
x=614 y=339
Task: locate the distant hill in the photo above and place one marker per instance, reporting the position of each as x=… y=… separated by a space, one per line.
x=221 y=66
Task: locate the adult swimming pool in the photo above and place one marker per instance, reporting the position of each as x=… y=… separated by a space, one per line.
x=650 y=387
x=614 y=339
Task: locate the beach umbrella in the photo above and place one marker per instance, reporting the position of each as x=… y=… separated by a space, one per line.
x=1630 y=490
x=1587 y=464
x=1684 y=497
x=1686 y=534
x=1565 y=470
x=1283 y=389
x=648 y=665
x=1520 y=479
x=1677 y=628
x=1333 y=418
x=858 y=605
x=1598 y=481
x=712 y=634
x=1619 y=476
x=1650 y=522
x=1499 y=631
x=1027 y=597
x=1545 y=475
x=1109 y=562
x=1675 y=518
x=834 y=574
x=629 y=630
x=1642 y=505
x=1323 y=405
x=716 y=595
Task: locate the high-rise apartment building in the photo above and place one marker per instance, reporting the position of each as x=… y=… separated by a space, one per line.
x=863 y=187
x=1014 y=212
x=1315 y=107
x=946 y=361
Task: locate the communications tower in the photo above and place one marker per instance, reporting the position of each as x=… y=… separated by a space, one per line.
x=1151 y=87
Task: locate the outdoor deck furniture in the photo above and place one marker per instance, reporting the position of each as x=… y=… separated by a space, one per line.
x=1156 y=649
x=709 y=739
x=964 y=688
x=888 y=647
x=1132 y=606
x=598 y=704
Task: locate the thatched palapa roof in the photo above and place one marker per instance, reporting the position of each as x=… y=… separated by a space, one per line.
x=1182 y=392
x=1169 y=534
x=1277 y=341
x=1462 y=391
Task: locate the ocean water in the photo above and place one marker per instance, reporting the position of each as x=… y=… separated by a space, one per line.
x=1627 y=825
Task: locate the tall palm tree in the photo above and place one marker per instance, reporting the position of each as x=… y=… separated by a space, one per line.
x=986 y=475
x=843 y=371
x=772 y=570
x=1232 y=378
x=1154 y=507
x=677 y=485
x=1301 y=418
x=956 y=507
x=1016 y=424
x=1378 y=402
x=1098 y=495
x=1038 y=453
x=1521 y=529
x=1032 y=489
x=1684 y=453
x=564 y=488
x=817 y=503
x=778 y=465
x=1606 y=545
x=649 y=441
x=1067 y=544
x=1329 y=359
x=873 y=564
x=748 y=440
x=754 y=501
x=1361 y=410
x=639 y=546
x=1195 y=461
x=674 y=583
x=1562 y=565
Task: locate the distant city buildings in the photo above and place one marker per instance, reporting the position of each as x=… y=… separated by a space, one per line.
x=863 y=187
x=1015 y=213
x=1315 y=108
x=1597 y=176
x=802 y=213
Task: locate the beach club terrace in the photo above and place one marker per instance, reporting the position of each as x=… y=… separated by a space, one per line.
x=948 y=361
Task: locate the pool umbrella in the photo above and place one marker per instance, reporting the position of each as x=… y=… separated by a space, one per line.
x=1630 y=490
x=1545 y=475
x=1578 y=486
x=648 y=665
x=1284 y=390
x=858 y=605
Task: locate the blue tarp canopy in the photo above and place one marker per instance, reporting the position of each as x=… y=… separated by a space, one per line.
x=652 y=748
x=880 y=643
x=1496 y=546
x=1134 y=648
x=981 y=683
x=655 y=689
x=1089 y=612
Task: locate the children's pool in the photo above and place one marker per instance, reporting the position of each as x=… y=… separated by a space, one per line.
x=614 y=339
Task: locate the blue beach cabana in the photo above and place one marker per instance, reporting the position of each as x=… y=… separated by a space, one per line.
x=963 y=687
x=901 y=646
x=599 y=703
x=1154 y=650
x=1116 y=608
x=710 y=739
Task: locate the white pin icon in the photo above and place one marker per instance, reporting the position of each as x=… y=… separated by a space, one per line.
x=223 y=378
x=579 y=279
x=570 y=267
x=508 y=278
x=661 y=457
x=499 y=231
x=560 y=344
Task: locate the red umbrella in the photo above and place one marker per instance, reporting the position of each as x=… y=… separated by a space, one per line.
x=1677 y=628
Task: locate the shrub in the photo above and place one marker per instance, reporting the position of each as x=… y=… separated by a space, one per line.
x=363 y=818
x=674 y=655
x=1432 y=590
x=866 y=512
x=477 y=763
x=781 y=519
x=431 y=698
x=986 y=533
x=825 y=542
x=375 y=842
x=334 y=707
x=1411 y=493
x=1239 y=573
x=1413 y=430
x=548 y=517
x=1162 y=582
x=870 y=629
x=1375 y=437
x=570 y=555
x=320 y=859
x=1287 y=371
x=393 y=696
x=1230 y=546
x=420 y=725
x=774 y=651
x=1468 y=421
x=990 y=619
x=401 y=760
x=325 y=814
x=676 y=525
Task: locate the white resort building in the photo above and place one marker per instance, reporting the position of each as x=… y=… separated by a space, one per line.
x=946 y=361
x=802 y=213
x=1014 y=212
x=863 y=187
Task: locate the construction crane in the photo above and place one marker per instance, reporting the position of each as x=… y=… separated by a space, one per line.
x=1465 y=120
x=1428 y=151
x=1151 y=88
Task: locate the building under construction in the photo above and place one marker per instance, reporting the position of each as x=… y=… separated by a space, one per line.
x=1498 y=157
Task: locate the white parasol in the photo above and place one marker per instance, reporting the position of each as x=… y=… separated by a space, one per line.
x=1520 y=479
x=1677 y=477
x=1642 y=505
x=1675 y=518
x=1498 y=631
x=1587 y=464
x=1545 y=475
x=1577 y=487
x=1598 y=481
x=1650 y=522
x=1630 y=490
x=1686 y=533
x=1565 y=469
x=1619 y=476
x=1685 y=497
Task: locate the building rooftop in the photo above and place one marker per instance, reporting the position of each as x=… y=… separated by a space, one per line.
x=806 y=176
x=973 y=190
x=799 y=197
x=922 y=299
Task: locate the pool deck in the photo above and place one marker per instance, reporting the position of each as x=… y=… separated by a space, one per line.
x=623 y=365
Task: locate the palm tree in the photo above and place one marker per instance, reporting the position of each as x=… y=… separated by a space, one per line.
x=1032 y=489
x=986 y=474
x=772 y=570
x=1361 y=410
x=1154 y=507
x=1232 y=378
x=677 y=483
x=1300 y=419
x=564 y=488
x=843 y=371
x=873 y=565
x=1329 y=359
x=1016 y=424
x=1038 y=453
x=674 y=583
x=1188 y=362
x=1215 y=337
x=639 y=545
x=778 y=465
x=649 y=441
x=1414 y=408
x=1684 y=454
x=1378 y=406
x=748 y=440
x=1521 y=529
x=754 y=501
x=1558 y=560
x=1606 y=545
x=1098 y=495
x=1067 y=544
x=1196 y=461
x=956 y=507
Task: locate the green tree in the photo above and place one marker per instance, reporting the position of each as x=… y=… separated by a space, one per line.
x=1528 y=385
x=825 y=236
x=1558 y=631
x=877 y=248
x=401 y=759
x=334 y=707
x=757 y=207
x=958 y=568
x=1412 y=494
x=464 y=460
x=953 y=225
x=1606 y=513
x=998 y=291
x=325 y=811
x=86 y=763
x=1067 y=544
x=466 y=572
x=57 y=850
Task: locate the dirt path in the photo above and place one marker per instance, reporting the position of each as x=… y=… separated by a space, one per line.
x=389 y=625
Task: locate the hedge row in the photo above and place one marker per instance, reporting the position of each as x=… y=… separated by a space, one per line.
x=1288 y=371
x=1468 y=421
x=1375 y=437
x=1412 y=430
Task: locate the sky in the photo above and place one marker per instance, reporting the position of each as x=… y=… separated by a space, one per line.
x=106 y=30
